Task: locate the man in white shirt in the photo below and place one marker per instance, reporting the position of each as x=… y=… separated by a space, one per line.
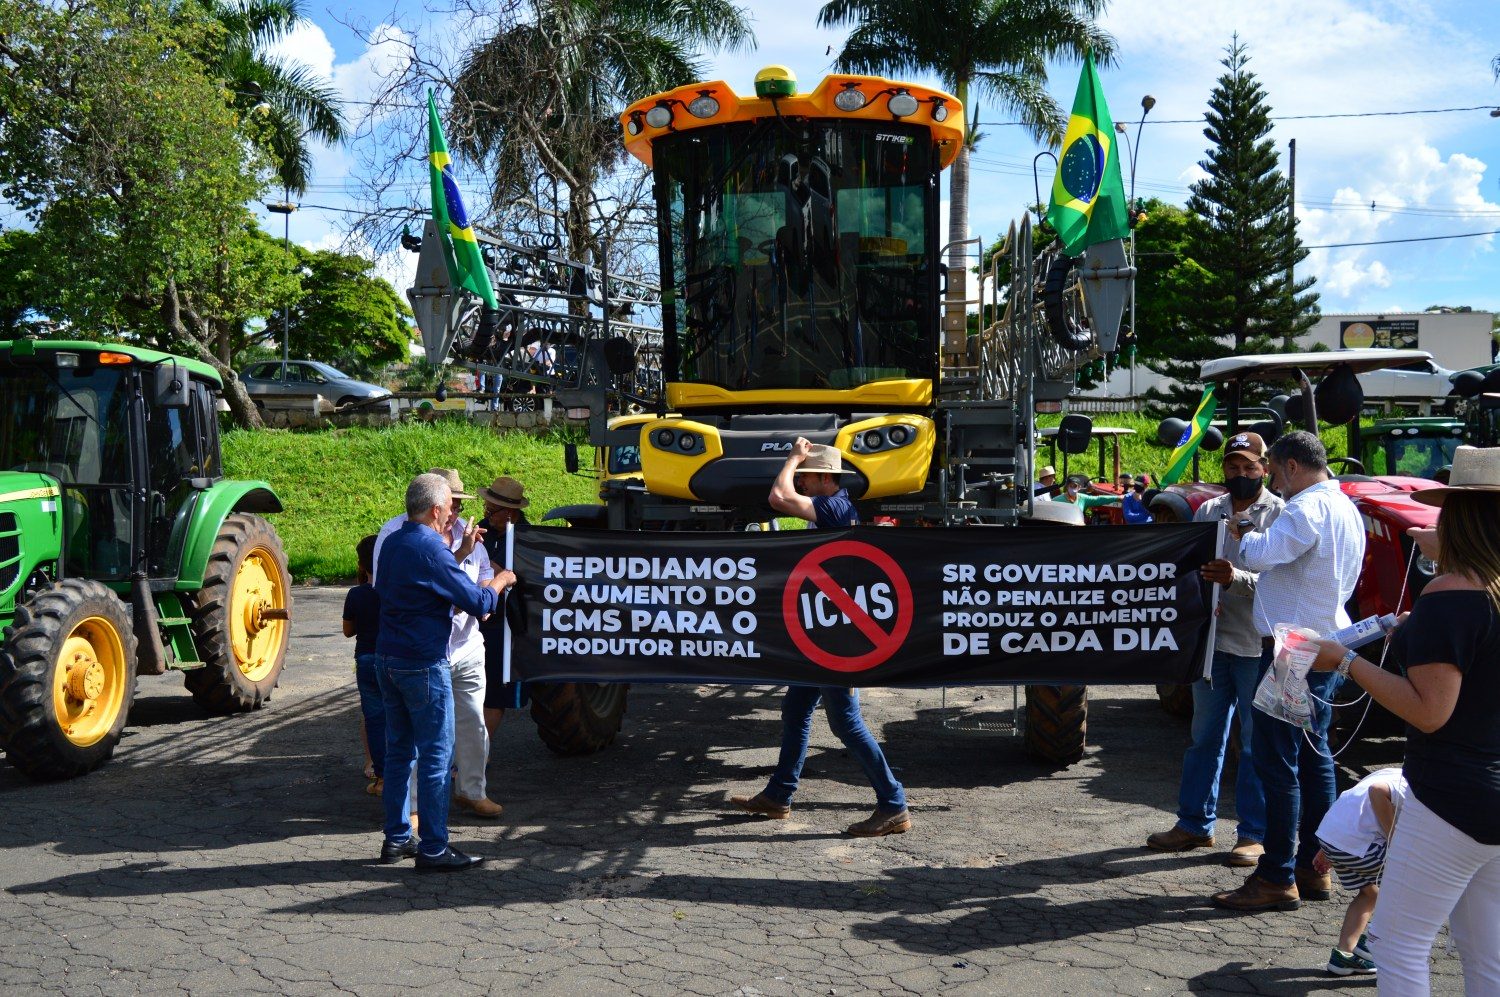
x=471 y=740
x=1309 y=562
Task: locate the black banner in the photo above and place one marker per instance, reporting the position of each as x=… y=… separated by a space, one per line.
x=864 y=606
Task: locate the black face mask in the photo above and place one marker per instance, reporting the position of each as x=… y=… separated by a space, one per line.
x=1243 y=488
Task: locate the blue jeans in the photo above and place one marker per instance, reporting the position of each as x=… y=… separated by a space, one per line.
x=842 y=707
x=1234 y=679
x=1298 y=780
x=372 y=705
x=418 y=736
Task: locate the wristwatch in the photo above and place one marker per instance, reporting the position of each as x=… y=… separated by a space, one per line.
x=1346 y=662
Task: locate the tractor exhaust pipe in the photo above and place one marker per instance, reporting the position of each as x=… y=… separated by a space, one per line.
x=151 y=656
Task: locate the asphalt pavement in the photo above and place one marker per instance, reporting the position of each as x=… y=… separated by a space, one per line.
x=218 y=855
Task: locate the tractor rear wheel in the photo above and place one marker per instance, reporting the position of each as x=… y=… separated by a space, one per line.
x=239 y=618
x=1176 y=699
x=1057 y=719
x=577 y=718
x=67 y=679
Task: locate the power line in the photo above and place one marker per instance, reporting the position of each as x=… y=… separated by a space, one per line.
x=1387 y=242
x=1288 y=117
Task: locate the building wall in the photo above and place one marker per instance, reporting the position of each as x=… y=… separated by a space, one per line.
x=1456 y=340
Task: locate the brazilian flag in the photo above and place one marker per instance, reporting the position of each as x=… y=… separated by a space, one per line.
x=1182 y=457
x=460 y=248
x=1088 y=197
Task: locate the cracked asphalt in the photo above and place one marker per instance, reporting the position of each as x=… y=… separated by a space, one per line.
x=218 y=855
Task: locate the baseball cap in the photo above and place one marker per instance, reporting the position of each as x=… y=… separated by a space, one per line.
x=1247 y=443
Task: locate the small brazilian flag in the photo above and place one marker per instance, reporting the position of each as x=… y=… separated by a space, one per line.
x=465 y=265
x=1182 y=457
x=1088 y=197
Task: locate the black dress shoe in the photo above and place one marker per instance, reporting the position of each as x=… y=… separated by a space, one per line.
x=394 y=851
x=452 y=860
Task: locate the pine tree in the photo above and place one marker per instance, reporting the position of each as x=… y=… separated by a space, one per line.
x=1248 y=238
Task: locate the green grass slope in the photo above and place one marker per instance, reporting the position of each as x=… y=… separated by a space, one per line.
x=339 y=484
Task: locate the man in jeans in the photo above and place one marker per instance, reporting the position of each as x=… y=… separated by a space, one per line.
x=466 y=654
x=1309 y=561
x=824 y=503
x=420 y=584
x=1235 y=673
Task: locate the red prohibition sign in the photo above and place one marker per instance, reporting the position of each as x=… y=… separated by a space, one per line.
x=810 y=568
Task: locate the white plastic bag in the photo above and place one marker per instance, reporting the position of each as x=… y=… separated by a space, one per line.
x=1283 y=692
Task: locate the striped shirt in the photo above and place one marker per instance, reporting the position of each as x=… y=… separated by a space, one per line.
x=1309 y=561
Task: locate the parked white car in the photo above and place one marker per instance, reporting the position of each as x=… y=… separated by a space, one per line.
x=1418 y=381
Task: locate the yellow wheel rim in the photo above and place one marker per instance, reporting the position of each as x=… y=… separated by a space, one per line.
x=257 y=641
x=88 y=683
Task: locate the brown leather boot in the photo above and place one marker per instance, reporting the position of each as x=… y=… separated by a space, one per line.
x=482 y=807
x=1245 y=854
x=761 y=804
x=881 y=823
x=1178 y=840
x=1313 y=885
x=1258 y=895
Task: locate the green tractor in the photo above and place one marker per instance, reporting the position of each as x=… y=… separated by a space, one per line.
x=1416 y=447
x=123 y=551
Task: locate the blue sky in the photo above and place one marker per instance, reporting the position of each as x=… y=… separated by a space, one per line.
x=1358 y=179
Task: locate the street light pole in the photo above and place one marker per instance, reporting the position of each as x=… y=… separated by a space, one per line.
x=1147 y=103
x=285 y=209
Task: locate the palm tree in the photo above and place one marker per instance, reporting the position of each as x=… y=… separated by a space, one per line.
x=284 y=105
x=541 y=96
x=994 y=48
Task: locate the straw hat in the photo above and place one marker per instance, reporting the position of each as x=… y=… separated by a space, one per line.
x=455 y=483
x=1047 y=472
x=822 y=460
x=506 y=492
x=1475 y=469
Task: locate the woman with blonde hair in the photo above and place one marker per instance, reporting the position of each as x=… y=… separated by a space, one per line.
x=1444 y=859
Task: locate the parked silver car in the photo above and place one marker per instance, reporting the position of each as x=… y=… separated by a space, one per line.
x=305 y=378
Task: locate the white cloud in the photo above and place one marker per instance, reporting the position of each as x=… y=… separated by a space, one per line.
x=384 y=56
x=306 y=45
x=1410 y=192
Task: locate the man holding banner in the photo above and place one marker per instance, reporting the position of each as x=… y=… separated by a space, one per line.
x=1235 y=673
x=822 y=501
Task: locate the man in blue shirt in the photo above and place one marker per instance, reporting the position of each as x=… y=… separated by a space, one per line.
x=824 y=503
x=420 y=584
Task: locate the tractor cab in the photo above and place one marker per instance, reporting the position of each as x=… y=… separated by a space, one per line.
x=123 y=550
x=1413 y=448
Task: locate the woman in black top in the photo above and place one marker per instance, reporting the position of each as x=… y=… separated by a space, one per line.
x=1444 y=858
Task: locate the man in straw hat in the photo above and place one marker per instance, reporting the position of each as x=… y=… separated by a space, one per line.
x=808 y=487
x=504 y=501
x=1046 y=481
x=466 y=654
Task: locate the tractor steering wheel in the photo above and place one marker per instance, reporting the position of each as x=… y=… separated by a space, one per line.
x=1353 y=465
